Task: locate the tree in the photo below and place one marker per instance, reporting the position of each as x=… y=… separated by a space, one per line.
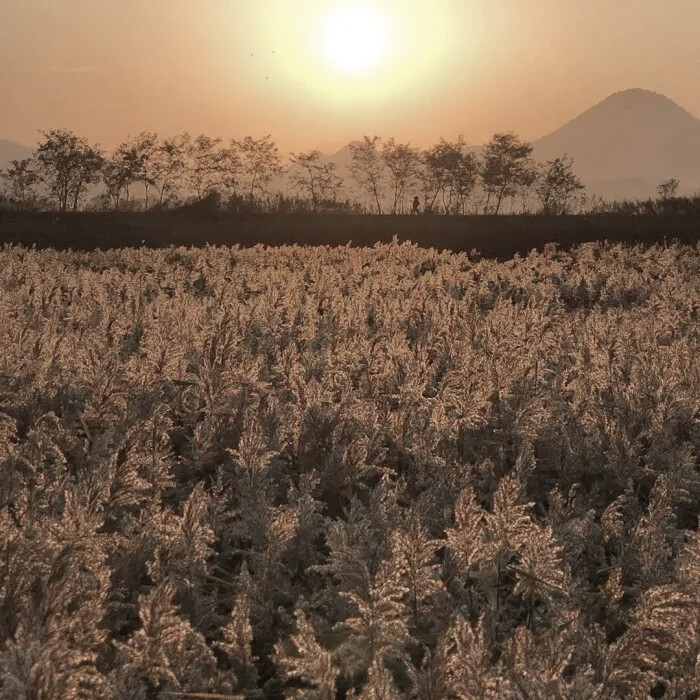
x=230 y=168
x=367 y=168
x=20 y=179
x=403 y=163
x=440 y=164
x=668 y=188
x=466 y=177
x=314 y=178
x=507 y=165
x=115 y=182
x=126 y=166
x=67 y=164
x=260 y=162
x=205 y=164
x=524 y=188
x=451 y=173
x=168 y=166
x=139 y=152
x=556 y=185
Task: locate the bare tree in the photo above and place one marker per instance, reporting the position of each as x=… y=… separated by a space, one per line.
x=20 y=179
x=67 y=164
x=557 y=185
x=367 y=168
x=403 y=163
x=314 y=178
x=507 y=165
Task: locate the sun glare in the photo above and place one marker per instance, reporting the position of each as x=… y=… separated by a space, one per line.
x=359 y=59
x=354 y=38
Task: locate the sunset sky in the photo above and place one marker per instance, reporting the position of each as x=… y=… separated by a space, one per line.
x=423 y=69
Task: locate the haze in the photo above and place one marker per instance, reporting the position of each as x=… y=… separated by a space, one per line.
x=474 y=67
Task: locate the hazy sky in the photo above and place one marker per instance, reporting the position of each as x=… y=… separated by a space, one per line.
x=107 y=69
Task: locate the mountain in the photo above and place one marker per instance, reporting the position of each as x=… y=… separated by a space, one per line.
x=343 y=157
x=628 y=143
x=9 y=151
x=623 y=147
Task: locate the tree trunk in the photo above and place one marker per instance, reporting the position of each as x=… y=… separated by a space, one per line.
x=488 y=202
x=500 y=199
x=432 y=201
x=376 y=199
x=75 y=198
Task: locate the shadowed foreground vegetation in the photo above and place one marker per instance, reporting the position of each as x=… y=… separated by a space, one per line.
x=492 y=236
x=327 y=473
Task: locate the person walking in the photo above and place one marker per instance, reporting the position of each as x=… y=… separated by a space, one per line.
x=416 y=205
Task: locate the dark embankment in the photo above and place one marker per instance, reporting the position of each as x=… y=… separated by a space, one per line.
x=493 y=236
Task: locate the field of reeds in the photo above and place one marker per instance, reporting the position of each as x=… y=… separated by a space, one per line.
x=335 y=472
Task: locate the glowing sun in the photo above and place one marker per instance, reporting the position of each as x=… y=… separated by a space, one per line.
x=354 y=38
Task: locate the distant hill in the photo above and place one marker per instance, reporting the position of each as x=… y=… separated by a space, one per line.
x=628 y=143
x=9 y=151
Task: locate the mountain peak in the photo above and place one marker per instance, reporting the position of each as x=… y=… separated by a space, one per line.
x=641 y=99
x=637 y=94
x=634 y=134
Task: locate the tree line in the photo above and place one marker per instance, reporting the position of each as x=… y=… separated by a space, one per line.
x=68 y=173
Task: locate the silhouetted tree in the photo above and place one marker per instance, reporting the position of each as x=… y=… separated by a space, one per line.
x=168 y=166
x=403 y=163
x=115 y=182
x=524 y=189
x=123 y=168
x=557 y=185
x=260 y=163
x=231 y=169
x=314 y=178
x=140 y=153
x=450 y=173
x=367 y=168
x=668 y=188
x=20 y=179
x=466 y=177
x=440 y=162
x=67 y=164
x=205 y=165
x=507 y=165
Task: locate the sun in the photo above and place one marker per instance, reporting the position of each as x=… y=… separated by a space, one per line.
x=354 y=38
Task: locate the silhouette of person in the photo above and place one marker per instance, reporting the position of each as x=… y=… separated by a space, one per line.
x=416 y=205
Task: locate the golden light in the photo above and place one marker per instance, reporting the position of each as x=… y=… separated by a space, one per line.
x=354 y=38
x=358 y=62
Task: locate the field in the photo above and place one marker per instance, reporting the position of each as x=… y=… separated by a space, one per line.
x=380 y=472
x=493 y=236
